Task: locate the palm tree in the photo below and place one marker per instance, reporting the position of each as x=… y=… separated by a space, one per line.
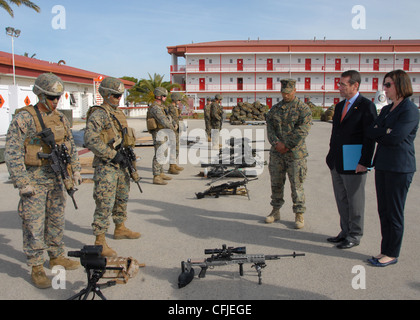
x=145 y=87
x=5 y=4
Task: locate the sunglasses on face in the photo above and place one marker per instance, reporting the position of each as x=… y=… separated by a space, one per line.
x=52 y=98
x=388 y=85
x=117 y=96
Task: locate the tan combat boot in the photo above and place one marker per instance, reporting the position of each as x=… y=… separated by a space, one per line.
x=64 y=262
x=299 y=221
x=122 y=232
x=274 y=216
x=158 y=180
x=106 y=251
x=177 y=167
x=165 y=177
x=172 y=169
x=39 y=278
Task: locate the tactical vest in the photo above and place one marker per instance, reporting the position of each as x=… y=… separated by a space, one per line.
x=34 y=145
x=152 y=124
x=114 y=135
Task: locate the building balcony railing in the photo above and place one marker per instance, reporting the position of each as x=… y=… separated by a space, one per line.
x=295 y=68
x=277 y=87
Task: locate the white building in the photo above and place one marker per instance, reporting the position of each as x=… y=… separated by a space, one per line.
x=80 y=86
x=250 y=71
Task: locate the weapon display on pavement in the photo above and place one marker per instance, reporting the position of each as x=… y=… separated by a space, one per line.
x=60 y=161
x=226 y=256
x=229 y=188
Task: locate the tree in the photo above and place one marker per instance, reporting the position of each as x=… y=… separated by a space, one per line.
x=5 y=4
x=143 y=90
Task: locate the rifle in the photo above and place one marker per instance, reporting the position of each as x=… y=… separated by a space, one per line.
x=129 y=155
x=60 y=161
x=226 y=256
x=225 y=188
x=131 y=158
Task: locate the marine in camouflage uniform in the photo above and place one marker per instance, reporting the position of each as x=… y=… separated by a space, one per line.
x=207 y=116
x=42 y=193
x=288 y=125
x=103 y=136
x=175 y=112
x=216 y=119
x=163 y=126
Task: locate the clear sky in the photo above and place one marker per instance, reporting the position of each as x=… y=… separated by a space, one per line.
x=129 y=38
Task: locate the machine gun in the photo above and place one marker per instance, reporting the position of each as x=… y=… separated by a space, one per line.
x=60 y=161
x=225 y=189
x=226 y=256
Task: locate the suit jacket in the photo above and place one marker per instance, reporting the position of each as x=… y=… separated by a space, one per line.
x=396 y=152
x=352 y=130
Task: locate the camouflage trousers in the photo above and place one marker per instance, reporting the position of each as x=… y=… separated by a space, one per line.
x=296 y=169
x=110 y=192
x=43 y=222
x=166 y=142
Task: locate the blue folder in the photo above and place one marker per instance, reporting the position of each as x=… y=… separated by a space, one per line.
x=351 y=156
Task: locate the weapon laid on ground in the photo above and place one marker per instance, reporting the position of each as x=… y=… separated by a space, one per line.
x=60 y=161
x=229 y=188
x=226 y=256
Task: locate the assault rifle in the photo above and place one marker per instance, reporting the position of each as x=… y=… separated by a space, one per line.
x=131 y=158
x=60 y=161
x=225 y=188
x=226 y=256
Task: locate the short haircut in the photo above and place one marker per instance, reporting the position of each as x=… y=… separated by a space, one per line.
x=402 y=83
x=354 y=76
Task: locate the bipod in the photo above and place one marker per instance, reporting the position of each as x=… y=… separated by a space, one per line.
x=93 y=277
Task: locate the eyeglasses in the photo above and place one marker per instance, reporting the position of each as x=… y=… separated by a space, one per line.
x=117 y=96
x=52 y=98
x=388 y=85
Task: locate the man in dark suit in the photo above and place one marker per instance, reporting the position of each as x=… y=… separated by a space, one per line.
x=352 y=117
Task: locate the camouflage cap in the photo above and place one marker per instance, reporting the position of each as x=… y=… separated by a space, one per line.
x=218 y=97
x=110 y=86
x=288 y=85
x=48 y=84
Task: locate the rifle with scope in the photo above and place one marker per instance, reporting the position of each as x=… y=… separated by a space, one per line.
x=60 y=161
x=226 y=256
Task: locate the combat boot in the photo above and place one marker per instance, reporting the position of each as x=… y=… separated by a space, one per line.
x=39 y=278
x=299 y=221
x=106 y=251
x=165 y=177
x=177 y=167
x=158 y=180
x=64 y=262
x=172 y=169
x=122 y=232
x=274 y=216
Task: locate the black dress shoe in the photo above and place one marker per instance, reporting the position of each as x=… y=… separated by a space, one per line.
x=336 y=239
x=346 y=244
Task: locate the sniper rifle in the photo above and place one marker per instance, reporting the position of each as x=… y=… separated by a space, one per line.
x=226 y=256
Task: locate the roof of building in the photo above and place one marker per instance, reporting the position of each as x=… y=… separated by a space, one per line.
x=30 y=67
x=322 y=46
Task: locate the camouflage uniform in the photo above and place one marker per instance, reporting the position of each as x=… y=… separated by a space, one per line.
x=289 y=123
x=216 y=120
x=207 y=118
x=160 y=113
x=112 y=183
x=175 y=114
x=42 y=212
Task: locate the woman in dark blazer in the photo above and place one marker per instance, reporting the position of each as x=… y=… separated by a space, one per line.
x=395 y=163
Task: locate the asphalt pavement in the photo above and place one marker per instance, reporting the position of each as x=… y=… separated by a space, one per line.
x=176 y=226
